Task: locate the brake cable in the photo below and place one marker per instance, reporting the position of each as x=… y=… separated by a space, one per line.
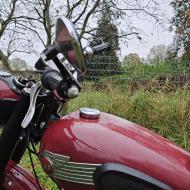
x=31 y=160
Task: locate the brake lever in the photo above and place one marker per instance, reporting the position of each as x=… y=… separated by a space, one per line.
x=35 y=89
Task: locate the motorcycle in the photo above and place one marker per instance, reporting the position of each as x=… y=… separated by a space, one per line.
x=83 y=150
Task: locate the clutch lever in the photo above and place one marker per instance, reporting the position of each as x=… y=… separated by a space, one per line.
x=35 y=89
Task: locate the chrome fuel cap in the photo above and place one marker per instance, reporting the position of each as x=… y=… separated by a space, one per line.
x=89 y=113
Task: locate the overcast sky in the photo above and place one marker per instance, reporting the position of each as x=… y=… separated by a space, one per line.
x=153 y=34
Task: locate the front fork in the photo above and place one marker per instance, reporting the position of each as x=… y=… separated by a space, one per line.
x=11 y=133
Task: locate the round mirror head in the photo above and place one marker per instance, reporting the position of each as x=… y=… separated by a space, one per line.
x=67 y=42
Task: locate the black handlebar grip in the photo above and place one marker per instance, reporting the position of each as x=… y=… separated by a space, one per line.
x=101 y=47
x=51 y=79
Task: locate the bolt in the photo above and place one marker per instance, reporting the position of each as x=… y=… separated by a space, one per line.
x=10 y=183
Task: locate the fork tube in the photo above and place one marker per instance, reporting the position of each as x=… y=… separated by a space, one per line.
x=19 y=150
x=11 y=133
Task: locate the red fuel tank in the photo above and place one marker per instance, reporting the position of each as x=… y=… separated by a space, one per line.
x=9 y=97
x=73 y=147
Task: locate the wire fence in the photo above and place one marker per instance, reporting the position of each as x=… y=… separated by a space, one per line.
x=104 y=69
x=101 y=67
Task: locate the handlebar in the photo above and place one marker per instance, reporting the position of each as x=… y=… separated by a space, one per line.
x=90 y=51
x=101 y=47
x=51 y=52
x=52 y=80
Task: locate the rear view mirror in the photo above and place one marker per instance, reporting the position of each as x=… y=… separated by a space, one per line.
x=67 y=42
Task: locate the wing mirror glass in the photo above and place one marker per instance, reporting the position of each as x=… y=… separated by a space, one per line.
x=67 y=42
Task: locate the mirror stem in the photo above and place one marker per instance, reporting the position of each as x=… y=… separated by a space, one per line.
x=50 y=52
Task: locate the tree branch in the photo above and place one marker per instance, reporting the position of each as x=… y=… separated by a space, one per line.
x=87 y=17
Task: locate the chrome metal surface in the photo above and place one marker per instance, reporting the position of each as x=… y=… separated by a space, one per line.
x=18 y=83
x=31 y=110
x=89 y=113
x=73 y=92
x=67 y=42
x=4 y=73
x=26 y=90
x=88 y=51
x=71 y=171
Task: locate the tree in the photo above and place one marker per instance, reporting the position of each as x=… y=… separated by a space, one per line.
x=45 y=13
x=132 y=58
x=25 y=23
x=181 y=26
x=6 y=14
x=158 y=54
x=14 y=34
x=107 y=29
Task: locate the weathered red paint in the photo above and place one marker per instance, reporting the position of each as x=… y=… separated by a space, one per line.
x=115 y=140
x=18 y=178
x=6 y=92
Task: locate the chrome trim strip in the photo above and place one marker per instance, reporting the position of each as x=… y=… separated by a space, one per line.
x=71 y=171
